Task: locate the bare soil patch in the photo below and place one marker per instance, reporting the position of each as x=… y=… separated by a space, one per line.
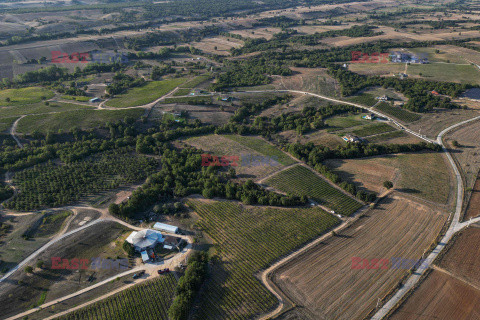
x=331 y=289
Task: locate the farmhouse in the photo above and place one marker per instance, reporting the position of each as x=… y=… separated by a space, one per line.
x=351 y=138
x=145 y=239
x=369 y=116
x=382 y=98
x=172 y=243
x=95 y=99
x=165 y=227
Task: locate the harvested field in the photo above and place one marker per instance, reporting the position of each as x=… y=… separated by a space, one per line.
x=468 y=151
x=377 y=69
x=463 y=258
x=394 y=137
x=441 y=297
x=218 y=45
x=311 y=80
x=331 y=289
x=473 y=209
x=320 y=137
x=425 y=175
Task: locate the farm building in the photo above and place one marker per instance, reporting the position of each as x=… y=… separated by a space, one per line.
x=145 y=239
x=165 y=227
x=369 y=116
x=382 y=98
x=145 y=256
x=351 y=138
x=172 y=243
x=95 y=99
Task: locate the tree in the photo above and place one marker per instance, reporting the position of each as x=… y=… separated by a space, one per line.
x=114 y=209
x=7 y=99
x=388 y=184
x=129 y=249
x=28 y=269
x=40 y=264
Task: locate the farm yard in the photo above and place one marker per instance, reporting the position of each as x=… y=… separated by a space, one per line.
x=301 y=181
x=149 y=300
x=246 y=240
x=452 y=289
x=329 y=288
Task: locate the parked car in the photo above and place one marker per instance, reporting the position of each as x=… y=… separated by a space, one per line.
x=162 y=271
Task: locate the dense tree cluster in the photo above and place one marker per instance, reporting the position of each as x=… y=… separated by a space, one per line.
x=122 y=82
x=188 y=286
x=309 y=119
x=182 y=174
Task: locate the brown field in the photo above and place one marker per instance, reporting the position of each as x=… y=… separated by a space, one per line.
x=424 y=175
x=222 y=146
x=468 y=154
x=312 y=80
x=473 y=209
x=223 y=45
x=266 y=33
x=330 y=289
x=441 y=297
x=452 y=290
x=433 y=123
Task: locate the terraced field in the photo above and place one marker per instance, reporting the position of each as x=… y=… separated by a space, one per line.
x=301 y=181
x=248 y=239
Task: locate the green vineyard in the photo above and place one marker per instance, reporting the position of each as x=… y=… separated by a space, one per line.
x=147 y=301
x=397 y=112
x=301 y=181
x=247 y=241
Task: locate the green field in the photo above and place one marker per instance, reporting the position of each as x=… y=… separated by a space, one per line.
x=76 y=98
x=50 y=224
x=262 y=147
x=6 y=123
x=372 y=129
x=247 y=241
x=145 y=94
x=149 y=300
x=344 y=122
x=190 y=100
x=65 y=121
x=389 y=135
x=301 y=181
x=196 y=81
x=24 y=96
x=462 y=73
x=182 y=92
x=38 y=108
x=397 y=112
x=365 y=99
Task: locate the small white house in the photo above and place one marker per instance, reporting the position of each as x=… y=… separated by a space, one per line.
x=165 y=227
x=145 y=256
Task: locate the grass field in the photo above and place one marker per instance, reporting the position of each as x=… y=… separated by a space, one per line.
x=6 y=123
x=247 y=240
x=49 y=225
x=301 y=181
x=182 y=92
x=77 y=98
x=149 y=300
x=189 y=100
x=462 y=73
x=365 y=99
x=397 y=112
x=372 y=129
x=343 y=122
x=65 y=121
x=196 y=81
x=24 y=96
x=38 y=108
x=262 y=147
x=145 y=94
